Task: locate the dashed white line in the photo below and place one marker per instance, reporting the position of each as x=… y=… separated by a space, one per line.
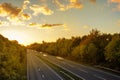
x=83 y=71
x=99 y=77
x=72 y=72
x=43 y=76
x=67 y=75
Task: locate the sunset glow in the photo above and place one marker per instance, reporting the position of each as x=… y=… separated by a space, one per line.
x=29 y=21
x=16 y=35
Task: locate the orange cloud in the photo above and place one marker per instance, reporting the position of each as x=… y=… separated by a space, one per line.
x=92 y=1
x=41 y=26
x=86 y=27
x=51 y=25
x=13 y=13
x=26 y=16
x=4 y=23
x=25 y=3
x=116 y=2
x=41 y=9
x=72 y=4
x=33 y=24
x=1 y=23
x=7 y=9
x=75 y=4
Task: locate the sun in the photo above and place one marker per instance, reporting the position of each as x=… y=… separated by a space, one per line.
x=16 y=35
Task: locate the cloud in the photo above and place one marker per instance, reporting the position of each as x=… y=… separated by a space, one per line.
x=86 y=27
x=33 y=24
x=71 y=4
x=117 y=2
x=42 y=26
x=26 y=16
x=50 y=25
x=92 y=1
x=4 y=23
x=25 y=3
x=41 y=9
x=75 y=4
x=13 y=13
x=1 y=23
x=7 y=9
x=61 y=6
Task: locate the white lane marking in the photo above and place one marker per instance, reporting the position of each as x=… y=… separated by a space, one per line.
x=50 y=69
x=99 y=77
x=67 y=75
x=43 y=76
x=71 y=72
x=39 y=69
x=83 y=70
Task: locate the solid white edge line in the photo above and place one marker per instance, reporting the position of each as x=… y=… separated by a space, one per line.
x=70 y=72
x=99 y=77
x=51 y=69
x=43 y=76
x=67 y=75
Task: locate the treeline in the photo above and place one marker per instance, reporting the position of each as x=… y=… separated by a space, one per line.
x=96 y=48
x=12 y=60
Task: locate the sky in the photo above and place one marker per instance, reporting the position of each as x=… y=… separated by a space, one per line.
x=29 y=21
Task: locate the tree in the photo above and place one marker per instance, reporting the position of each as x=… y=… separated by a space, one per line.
x=112 y=50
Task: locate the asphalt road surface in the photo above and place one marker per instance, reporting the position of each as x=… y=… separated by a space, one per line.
x=38 y=70
x=84 y=72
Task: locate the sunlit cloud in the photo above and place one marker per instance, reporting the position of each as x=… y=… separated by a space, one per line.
x=117 y=2
x=51 y=25
x=25 y=3
x=42 y=26
x=13 y=19
x=1 y=23
x=20 y=23
x=4 y=23
x=13 y=13
x=61 y=6
x=92 y=1
x=26 y=16
x=72 y=4
x=42 y=0
x=86 y=27
x=66 y=28
x=75 y=4
x=41 y=10
x=33 y=24
x=6 y=9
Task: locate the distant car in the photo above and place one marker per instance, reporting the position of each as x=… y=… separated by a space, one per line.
x=44 y=54
x=41 y=52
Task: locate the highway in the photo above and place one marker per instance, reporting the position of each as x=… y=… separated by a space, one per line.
x=84 y=72
x=38 y=70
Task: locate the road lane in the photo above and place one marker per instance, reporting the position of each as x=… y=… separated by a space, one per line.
x=38 y=70
x=87 y=73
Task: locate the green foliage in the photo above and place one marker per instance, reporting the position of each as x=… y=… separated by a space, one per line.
x=94 y=48
x=112 y=50
x=12 y=60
